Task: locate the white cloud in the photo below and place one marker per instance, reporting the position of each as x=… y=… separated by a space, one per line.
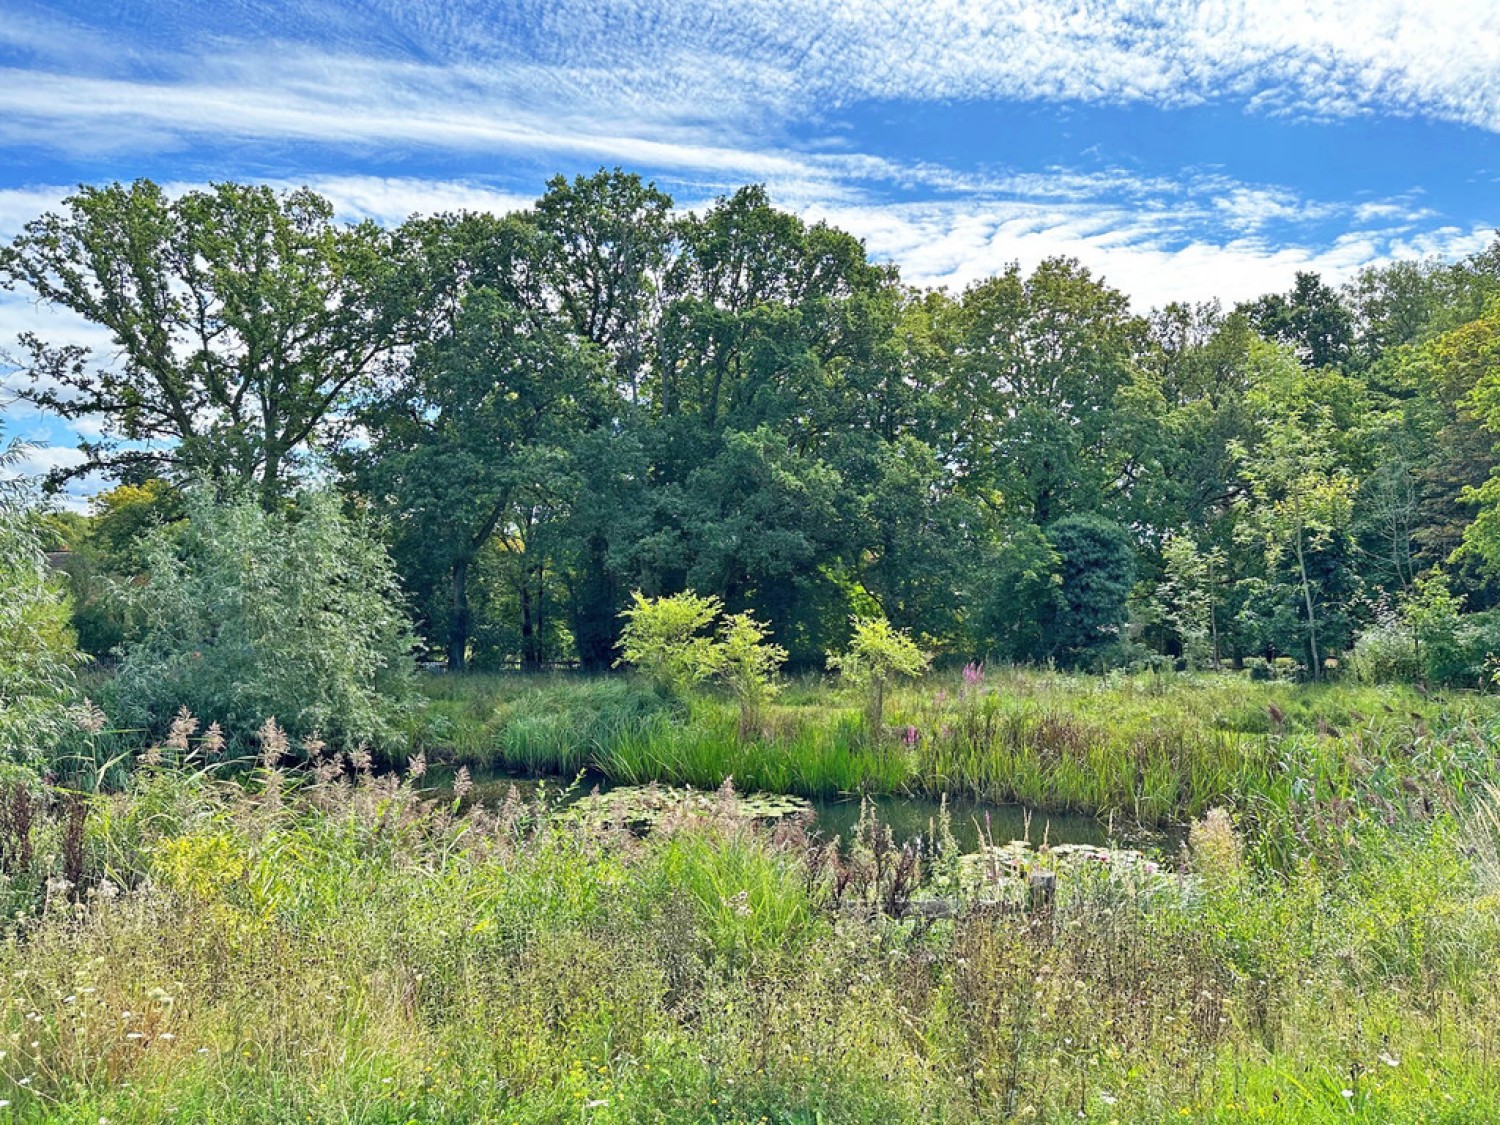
x=711 y=87
x=1151 y=257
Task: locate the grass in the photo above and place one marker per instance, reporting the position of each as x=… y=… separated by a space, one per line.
x=1157 y=749
x=339 y=948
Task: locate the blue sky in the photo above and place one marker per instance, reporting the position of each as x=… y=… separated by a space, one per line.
x=1182 y=149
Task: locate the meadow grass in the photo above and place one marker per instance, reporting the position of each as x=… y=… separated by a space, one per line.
x=1153 y=748
x=339 y=948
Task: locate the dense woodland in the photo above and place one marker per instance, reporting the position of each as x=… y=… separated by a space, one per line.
x=548 y=410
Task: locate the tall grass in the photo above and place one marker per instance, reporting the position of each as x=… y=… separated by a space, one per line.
x=339 y=948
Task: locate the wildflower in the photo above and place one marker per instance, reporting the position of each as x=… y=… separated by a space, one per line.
x=973 y=674
x=912 y=734
x=1346 y=1093
x=1389 y=1060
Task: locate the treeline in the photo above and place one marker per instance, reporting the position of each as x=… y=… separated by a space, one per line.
x=551 y=409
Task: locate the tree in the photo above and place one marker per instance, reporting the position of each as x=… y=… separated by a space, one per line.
x=1430 y=613
x=1096 y=573
x=607 y=241
x=1188 y=596
x=1312 y=319
x=249 y=615
x=1041 y=364
x=470 y=434
x=242 y=318
x=1299 y=494
x=1017 y=600
x=877 y=656
x=925 y=539
x=1470 y=355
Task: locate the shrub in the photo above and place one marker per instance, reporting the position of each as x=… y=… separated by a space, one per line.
x=746 y=663
x=666 y=639
x=877 y=656
x=247 y=615
x=36 y=645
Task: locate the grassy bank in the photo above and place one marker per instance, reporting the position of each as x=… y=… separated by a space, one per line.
x=244 y=952
x=1150 y=747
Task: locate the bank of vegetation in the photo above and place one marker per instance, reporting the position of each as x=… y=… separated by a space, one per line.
x=793 y=530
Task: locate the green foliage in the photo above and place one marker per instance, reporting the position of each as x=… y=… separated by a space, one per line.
x=37 y=648
x=1020 y=594
x=248 y=614
x=108 y=549
x=1299 y=497
x=747 y=664
x=666 y=639
x=603 y=393
x=344 y=950
x=240 y=317
x=1096 y=571
x=878 y=655
x=1187 y=597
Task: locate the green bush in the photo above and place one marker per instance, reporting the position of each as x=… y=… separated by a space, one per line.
x=247 y=615
x=36 y=644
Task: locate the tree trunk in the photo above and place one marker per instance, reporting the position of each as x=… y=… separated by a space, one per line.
x=1312 y=621
x=458 y=624
x=1213 y=617
x=270 y=481
x=531 y=654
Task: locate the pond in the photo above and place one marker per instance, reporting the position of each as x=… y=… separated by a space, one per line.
x=974 y=823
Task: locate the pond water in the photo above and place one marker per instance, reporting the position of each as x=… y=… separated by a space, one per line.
x=973 y=822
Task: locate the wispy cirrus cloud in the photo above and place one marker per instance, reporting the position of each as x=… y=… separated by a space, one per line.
x=757 y=59
x=713 y=95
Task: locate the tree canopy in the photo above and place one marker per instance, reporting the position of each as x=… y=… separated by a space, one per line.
x=604 y=394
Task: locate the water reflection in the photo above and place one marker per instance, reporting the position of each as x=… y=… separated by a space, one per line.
x=972 y=822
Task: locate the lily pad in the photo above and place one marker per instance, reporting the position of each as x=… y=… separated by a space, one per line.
x=641 y=808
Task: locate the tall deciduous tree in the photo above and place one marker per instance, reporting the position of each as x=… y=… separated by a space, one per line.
x=1042 y=363
x=1299 y=493
x=241 y=318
